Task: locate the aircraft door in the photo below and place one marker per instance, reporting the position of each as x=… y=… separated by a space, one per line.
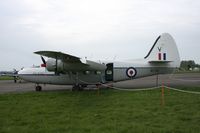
x=109 y=72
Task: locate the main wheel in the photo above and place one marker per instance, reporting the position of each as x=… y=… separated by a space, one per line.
x=77 y=87
x=38 y=88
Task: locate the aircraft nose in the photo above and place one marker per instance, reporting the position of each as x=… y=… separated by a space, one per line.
x=21 y=72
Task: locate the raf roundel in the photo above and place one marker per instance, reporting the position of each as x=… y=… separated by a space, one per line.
x=131 y=72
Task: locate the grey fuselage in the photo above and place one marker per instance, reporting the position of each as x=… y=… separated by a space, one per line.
x=114 y=72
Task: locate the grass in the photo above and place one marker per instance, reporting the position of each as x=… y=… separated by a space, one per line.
x=6 y=78
x=195 y=89
x=184 y=72
x=110 y=112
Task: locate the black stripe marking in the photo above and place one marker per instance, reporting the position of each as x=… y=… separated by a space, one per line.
x=152 y=47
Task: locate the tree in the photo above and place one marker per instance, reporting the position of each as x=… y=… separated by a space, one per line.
x=188 y=64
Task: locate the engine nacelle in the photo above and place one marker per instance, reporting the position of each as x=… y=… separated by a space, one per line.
x=63 y=67
x=51 y=65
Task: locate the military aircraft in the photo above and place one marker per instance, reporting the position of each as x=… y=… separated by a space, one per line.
x=65 y=69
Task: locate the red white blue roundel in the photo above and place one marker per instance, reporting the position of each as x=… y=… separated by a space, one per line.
x=131 y=72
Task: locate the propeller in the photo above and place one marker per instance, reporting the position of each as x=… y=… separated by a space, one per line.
x=15 y=75
x=15 y=71
x=44 y=62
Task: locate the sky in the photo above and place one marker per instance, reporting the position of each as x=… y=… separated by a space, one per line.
x=96 y=29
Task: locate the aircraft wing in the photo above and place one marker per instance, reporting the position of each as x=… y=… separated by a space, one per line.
x=74 y=63
x=59 y=55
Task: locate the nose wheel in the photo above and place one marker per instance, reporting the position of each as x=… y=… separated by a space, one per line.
x=38 y=88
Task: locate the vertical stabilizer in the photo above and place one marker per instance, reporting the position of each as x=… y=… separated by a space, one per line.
x=164 y=50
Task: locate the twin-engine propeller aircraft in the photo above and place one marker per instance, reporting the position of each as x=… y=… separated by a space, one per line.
x=65 y=69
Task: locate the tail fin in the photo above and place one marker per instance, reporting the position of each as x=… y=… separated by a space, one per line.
x=164 y=50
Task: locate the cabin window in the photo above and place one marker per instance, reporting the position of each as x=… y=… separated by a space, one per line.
x=109 y=72
x=98 y=72
x=87 y=72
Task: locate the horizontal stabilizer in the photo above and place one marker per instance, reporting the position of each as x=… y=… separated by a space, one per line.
x=159 y=61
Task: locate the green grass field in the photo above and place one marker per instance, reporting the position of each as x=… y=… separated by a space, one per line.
x=110 y=112
x=6 y=78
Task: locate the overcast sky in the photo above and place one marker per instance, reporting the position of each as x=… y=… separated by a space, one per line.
x=96 y=29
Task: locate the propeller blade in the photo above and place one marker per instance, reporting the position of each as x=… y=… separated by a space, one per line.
x=15 y=71
x=43 y=60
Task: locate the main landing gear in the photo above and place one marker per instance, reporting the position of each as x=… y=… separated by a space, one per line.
x=74 y=88
x=38 y=88
x=78 y=87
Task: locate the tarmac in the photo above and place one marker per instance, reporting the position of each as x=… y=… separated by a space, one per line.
x=171 y=80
